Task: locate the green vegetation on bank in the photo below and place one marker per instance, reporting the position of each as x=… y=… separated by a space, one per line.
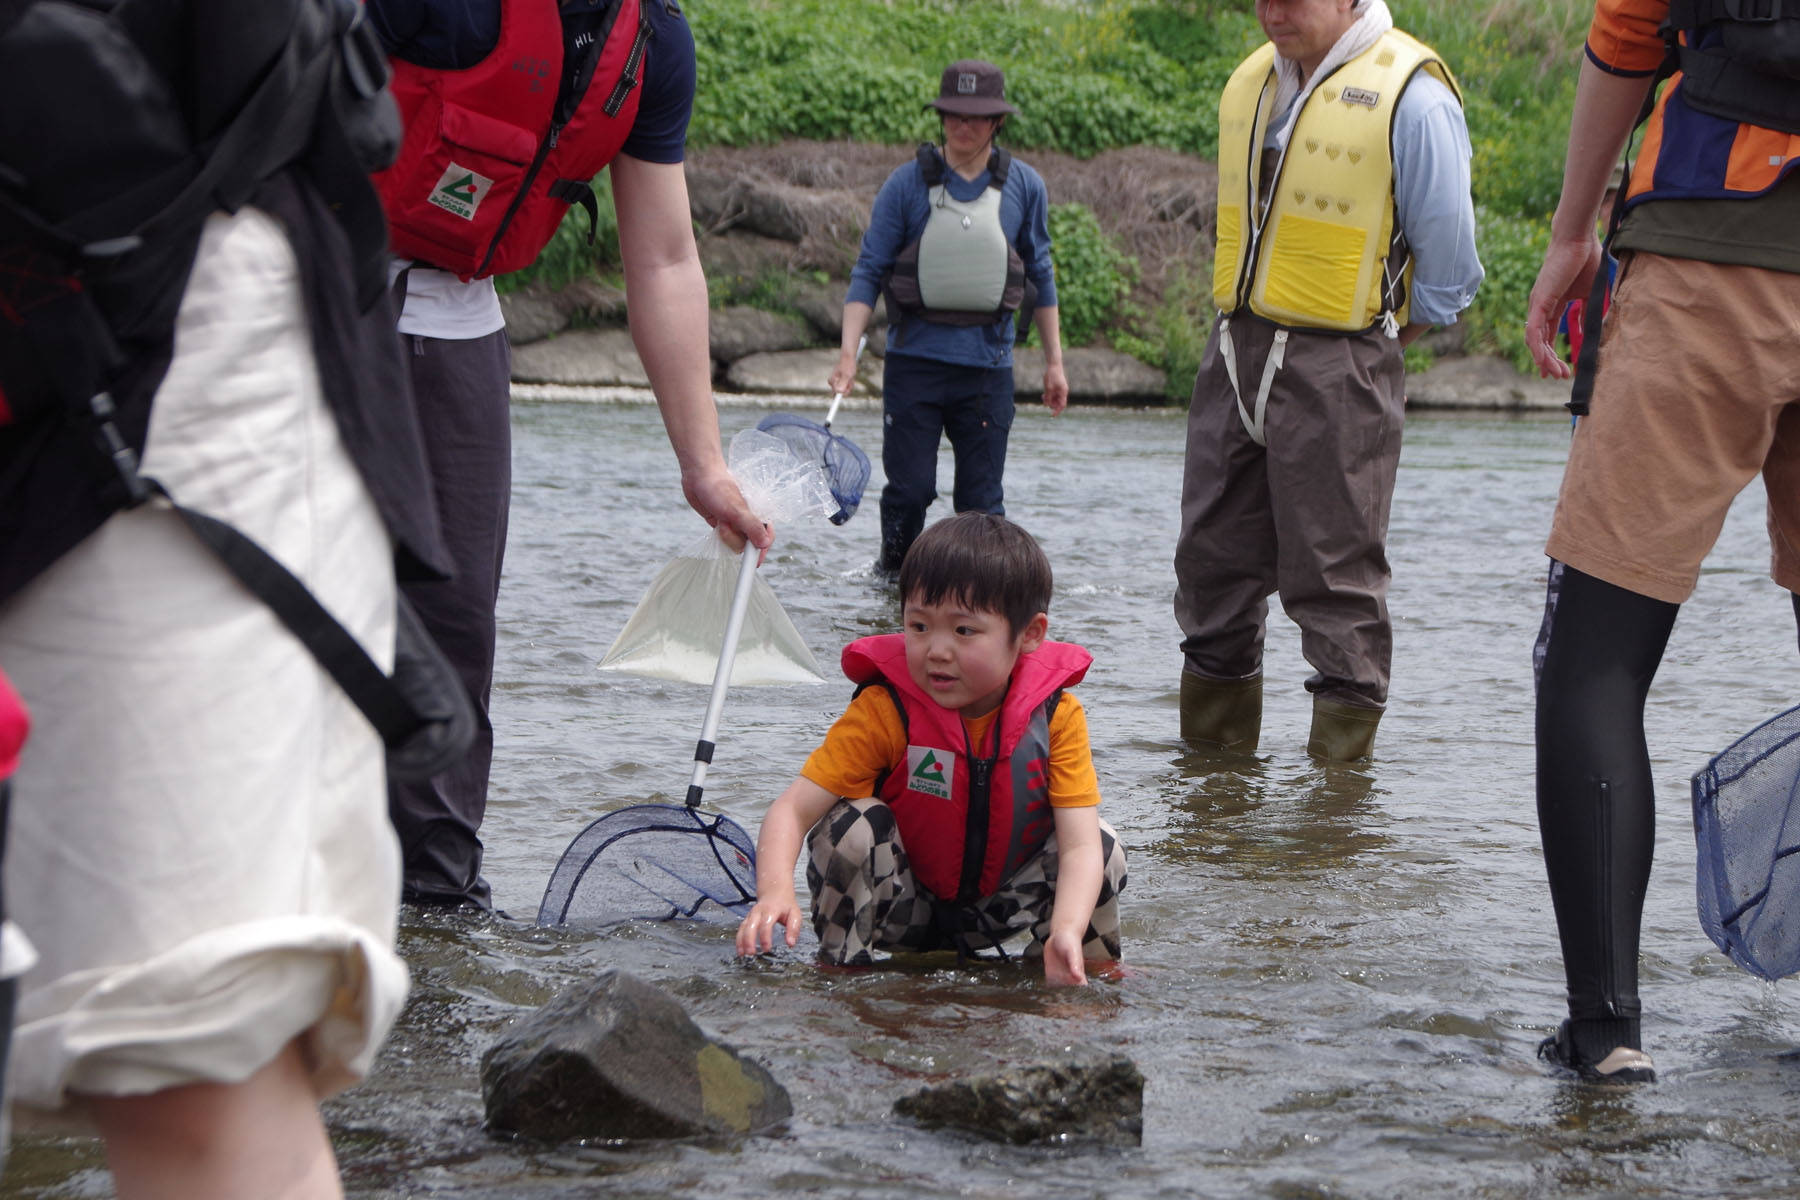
x=1098 y=75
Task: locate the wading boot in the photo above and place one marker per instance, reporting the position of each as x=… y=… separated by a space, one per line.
x=1342 y=732
x=1225 y=712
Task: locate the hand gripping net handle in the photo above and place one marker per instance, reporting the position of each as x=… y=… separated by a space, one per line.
x=837 y=398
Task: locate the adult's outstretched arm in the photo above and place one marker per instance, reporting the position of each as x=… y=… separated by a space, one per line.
x=665 y=292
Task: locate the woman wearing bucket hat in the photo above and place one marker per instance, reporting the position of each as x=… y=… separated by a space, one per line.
x=959 y=242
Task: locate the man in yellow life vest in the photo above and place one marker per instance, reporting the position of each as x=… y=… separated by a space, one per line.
x=1345 y=229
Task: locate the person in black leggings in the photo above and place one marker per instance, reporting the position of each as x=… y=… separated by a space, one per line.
x=1693 y=397
x=1596 y=804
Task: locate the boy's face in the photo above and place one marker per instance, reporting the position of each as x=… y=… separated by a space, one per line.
x=963 y=656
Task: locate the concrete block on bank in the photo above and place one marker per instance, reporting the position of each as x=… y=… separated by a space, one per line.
x=533 y=315
x=1479 y=383
x=797 y=372
x=1096 y=375
x=598 y=357
x=739 y=332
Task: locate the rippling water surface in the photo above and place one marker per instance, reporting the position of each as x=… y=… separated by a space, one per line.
x=1336 y=977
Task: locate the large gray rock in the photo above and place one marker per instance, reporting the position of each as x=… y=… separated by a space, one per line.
x=590 y=302
x=738 y=331
x=602 y=357
x=532 y=315
x=1486 y=384
x=822 y=304
x=617 y=1058
x=1080 y=1100
x=1096 y=375
x=721 y=201
x=743 y=258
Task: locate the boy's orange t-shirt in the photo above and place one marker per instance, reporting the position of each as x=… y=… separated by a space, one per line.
x=870 y=738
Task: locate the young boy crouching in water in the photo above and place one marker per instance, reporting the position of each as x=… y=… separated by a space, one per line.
x=954 y=804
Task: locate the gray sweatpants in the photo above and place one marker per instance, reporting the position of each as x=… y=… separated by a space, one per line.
x=1305 y=516
x=865 y=898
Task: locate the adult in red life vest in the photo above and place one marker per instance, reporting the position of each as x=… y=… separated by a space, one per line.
x=510 y=110
x=954 y=804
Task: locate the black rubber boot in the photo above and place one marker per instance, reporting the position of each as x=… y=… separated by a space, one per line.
x=1224 y=712
x=1342 y=732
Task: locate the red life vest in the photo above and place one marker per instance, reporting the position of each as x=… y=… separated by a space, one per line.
x=970 y=820
x=493 y=155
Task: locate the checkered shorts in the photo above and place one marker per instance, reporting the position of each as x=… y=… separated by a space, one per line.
x=865 y=898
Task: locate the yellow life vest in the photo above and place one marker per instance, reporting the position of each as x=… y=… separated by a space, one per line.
x=1322 y=238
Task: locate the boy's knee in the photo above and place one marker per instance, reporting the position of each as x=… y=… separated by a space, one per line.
x=1112 y=855
x=855 y=839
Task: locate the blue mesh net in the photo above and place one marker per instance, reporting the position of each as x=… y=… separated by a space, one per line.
x=654 y=862
x=846 y=467
x=1747 y=827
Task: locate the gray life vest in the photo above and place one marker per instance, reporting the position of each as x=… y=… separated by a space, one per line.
x=962 y=269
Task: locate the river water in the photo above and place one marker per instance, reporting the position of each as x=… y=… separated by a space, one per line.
x=1335 y=978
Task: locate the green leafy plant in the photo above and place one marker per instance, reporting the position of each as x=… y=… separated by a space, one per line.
x=1511 y=250
x=1102 y=75
x=1093 y=276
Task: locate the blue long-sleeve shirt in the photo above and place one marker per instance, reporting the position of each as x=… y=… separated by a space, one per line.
x=898 y=218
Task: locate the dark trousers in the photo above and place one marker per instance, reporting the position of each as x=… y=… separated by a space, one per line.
x=462 y=387
x=1304 y=516
x=921 y=400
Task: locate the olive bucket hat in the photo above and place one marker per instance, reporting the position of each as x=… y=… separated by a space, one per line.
x=974 y=88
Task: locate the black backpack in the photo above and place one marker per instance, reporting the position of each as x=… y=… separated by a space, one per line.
x=155 y=114
x=1744 y=60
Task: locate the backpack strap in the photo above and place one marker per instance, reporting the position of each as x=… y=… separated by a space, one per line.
x=422 y=712
x=999 y=163
x=931 y=164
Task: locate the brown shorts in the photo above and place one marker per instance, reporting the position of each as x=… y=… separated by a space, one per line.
x=1696 y=395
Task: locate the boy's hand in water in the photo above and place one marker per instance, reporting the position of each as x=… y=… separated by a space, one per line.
x=756 y=935
x=1063 y=965
x=778 y=844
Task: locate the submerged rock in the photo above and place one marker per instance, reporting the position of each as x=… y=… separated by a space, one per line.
x=617 y=1058
x=1093 y=1100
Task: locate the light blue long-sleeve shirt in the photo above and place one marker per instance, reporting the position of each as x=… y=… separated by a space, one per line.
x=1431 y=199
x=898 y=218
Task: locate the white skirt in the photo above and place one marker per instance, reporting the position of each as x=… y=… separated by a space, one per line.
x=200 y=849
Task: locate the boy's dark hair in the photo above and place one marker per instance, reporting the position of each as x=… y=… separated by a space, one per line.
x=983 y=561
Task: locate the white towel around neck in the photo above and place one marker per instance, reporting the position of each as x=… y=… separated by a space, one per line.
x=1372 y=20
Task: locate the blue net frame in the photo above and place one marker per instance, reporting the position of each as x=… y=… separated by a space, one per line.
x=1747 y=835
x=846 y=467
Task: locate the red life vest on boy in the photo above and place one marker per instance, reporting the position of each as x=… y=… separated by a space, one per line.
x=494 y=155
x=968 y=819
